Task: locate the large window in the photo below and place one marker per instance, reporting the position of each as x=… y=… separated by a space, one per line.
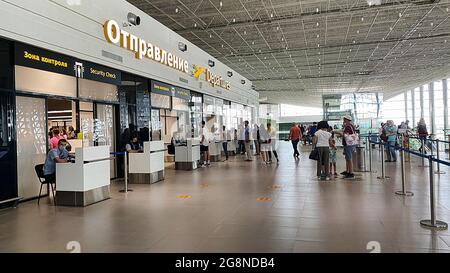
x=439 y=109
x=295 y=110
x=394 y=109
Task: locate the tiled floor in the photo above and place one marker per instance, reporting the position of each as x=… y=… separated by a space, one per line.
x=224 y=215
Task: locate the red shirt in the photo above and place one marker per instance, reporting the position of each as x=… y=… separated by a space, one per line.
x=54 y=142
x=294 y=133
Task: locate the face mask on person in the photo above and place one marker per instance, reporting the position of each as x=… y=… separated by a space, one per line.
x=62 y=147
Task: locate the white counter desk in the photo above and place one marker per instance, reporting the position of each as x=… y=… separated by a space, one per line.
x=188 y=155
x=215 y=150
x=147 y=167
x=87 y=180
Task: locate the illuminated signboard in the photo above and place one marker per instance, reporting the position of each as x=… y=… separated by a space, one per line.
x=141 y=48
x=214 y=80
x=34 y=57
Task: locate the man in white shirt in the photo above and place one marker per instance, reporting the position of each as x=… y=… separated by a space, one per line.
x=204 y=143
x=247 y=141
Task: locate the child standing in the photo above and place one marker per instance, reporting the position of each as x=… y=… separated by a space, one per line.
x=333 y=150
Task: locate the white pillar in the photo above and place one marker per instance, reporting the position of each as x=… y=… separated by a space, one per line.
x=413 y=104
x=432 y=112
x=445 y=96
x=421 y=102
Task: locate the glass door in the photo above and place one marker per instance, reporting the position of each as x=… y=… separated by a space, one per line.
x=8 y=182
x=104 y=130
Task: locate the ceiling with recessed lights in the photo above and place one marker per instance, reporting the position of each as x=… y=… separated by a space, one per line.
x=296 y=50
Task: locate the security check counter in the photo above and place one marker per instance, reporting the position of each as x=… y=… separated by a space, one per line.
x=215 y=150
x=87 y=180
x=147 y=167
x=187 y=155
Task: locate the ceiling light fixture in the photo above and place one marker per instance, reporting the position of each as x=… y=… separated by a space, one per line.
x=220 y=4
x=176 y=10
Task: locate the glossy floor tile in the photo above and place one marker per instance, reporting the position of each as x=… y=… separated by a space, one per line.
x=239 y=206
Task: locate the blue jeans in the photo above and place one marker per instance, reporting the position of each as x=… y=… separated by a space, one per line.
x=225 y=149
x=390 y=151
x=295 y=145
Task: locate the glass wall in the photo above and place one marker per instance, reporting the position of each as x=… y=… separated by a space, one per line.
x=195 y=110
x=439 y=109
x=394 y=108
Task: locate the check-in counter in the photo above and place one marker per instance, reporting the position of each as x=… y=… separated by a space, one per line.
x=187 y=155
x=215 y=151
x=147 y=167
x=231 y=148
x=87 y=180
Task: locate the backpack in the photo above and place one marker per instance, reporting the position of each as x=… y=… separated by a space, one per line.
x=383 y=135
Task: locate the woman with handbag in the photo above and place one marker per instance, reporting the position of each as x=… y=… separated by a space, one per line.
x=322 y=142
x=349 y=141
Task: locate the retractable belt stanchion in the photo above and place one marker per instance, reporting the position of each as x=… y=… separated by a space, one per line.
x=383 y=176
x=370 y=156
x=422 y=142
x=125 y=159
x=402 y=160
x=433 y=223
x=438 y=158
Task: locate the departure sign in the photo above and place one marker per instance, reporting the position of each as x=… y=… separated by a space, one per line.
x=141 y=48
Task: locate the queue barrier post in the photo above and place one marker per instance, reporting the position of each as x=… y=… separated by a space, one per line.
x=125 y=158
x=433 y=223
x=403 y=192
x=438 y=158
x=383 y=176
x=422 y=150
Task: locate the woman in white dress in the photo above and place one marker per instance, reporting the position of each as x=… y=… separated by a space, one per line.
x=273 y=143
x=265 y=143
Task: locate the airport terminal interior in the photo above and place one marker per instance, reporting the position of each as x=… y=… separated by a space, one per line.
x=225 y=126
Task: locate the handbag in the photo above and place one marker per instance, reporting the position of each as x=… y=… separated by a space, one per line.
x=352 y=139
x=314 y=155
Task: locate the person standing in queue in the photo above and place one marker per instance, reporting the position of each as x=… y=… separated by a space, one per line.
x=247 y=141
x=322 y=141
x=349 y=130
x=204 y=144
x=55 y=155
x=273 y=142
x=391 y=134
x=256 y=137
x=225 y=142
x=294 y=136
x=54 y=140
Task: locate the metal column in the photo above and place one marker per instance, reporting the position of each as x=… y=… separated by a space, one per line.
x=405 y=94
x=413 y=104
x=432 y=112
x=421 y=102
x=445 y=97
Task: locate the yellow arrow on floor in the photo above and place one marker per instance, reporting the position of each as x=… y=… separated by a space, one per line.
x=184 y=196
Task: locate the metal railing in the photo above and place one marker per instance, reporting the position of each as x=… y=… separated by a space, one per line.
x=433 y=222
